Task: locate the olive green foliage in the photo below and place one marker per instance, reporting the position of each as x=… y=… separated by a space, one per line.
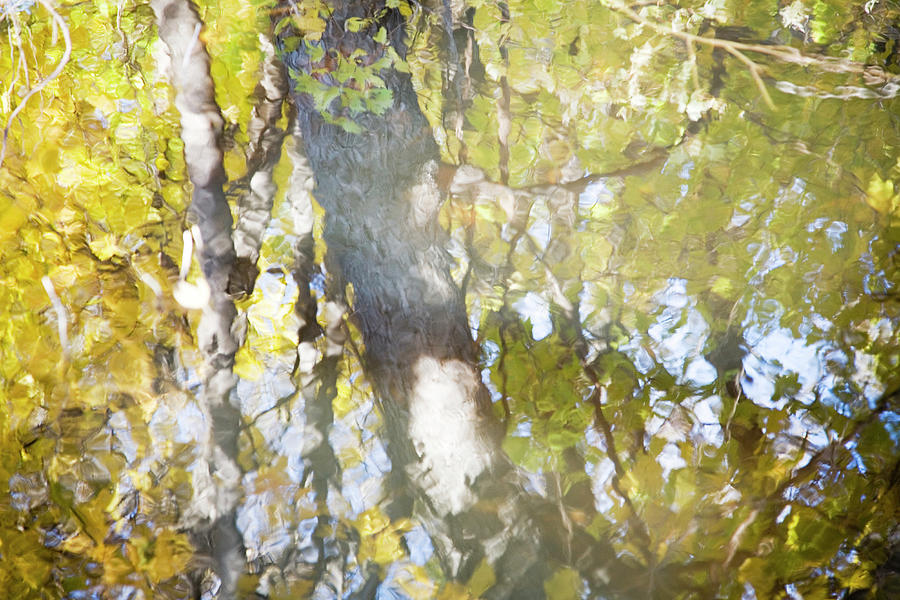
x=342 y=86
x=716 y=335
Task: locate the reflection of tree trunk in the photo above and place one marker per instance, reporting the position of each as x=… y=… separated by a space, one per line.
x=381 y=197
x=254 y=206
x=216 y=489
x=317 y=380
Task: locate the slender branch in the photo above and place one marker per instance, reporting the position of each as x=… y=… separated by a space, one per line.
x=738 y=535
x=786 y=54
x=783 y=53
x=570 y=313
x=776 y=497
x=471 y=180
x=754 y=72
x=62 y=316
x=519 y=232
x=504 y=119
x=692 y=55
x=884 y=403
x=58 y=20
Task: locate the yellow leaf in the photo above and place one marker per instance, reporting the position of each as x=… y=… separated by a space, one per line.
x=758 y=573
x=418 y=585
x=11 y=219
x=372 y=521
x=93 y=516
x=116 y=570
x=168 y=555
x=388 y=548
x=273 y=478
x=106 y=104
x=723 y=287
x=859 y=580
x=454 y=591
x=136 y=210
x=49 y=158
x=565 y=584
x=246 y=366
x=32 y=568
x=105 y=247
x=141 y=480
x=350 y=456
x=880 y=195
x=77 y=544
x=343 y=402
x=482 y=579
x=311 y=25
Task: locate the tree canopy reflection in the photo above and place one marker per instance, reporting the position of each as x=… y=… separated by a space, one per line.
x=370 y=299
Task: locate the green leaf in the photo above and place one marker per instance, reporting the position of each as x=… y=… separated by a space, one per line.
x=355 y=24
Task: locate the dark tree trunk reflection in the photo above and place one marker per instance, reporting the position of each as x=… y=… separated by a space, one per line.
x=380 y=191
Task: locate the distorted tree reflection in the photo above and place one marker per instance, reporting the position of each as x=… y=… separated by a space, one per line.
x=520 y=300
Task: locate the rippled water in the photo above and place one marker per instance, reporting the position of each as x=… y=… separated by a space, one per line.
x=683 y=301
